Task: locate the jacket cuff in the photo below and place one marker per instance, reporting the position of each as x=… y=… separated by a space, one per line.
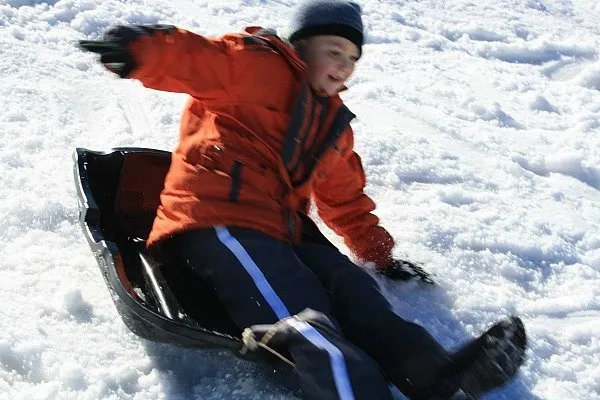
x=375 y=247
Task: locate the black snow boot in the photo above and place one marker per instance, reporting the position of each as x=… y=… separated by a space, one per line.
x=482 y=365
x=490 y=360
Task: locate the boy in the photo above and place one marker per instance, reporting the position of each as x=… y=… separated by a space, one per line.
x=265 y=131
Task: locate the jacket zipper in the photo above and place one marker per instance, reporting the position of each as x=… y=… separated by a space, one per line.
x=291 y=225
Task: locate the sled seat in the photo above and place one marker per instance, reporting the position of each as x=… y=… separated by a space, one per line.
x=136 y=199
x=138 y=194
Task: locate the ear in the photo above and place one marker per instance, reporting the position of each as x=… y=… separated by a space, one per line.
x=300 y=47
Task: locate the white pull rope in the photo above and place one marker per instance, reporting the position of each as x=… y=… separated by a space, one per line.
x=250 y=343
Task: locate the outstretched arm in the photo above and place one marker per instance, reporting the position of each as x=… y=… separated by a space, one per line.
x=338 y=190
x=345 y=208
x=167 y=58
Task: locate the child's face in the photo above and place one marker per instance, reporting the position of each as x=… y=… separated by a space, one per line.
x=330 y=61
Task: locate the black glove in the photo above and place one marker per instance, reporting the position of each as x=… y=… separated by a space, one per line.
x=115 y=57
x=400 y=270
x=113 y=48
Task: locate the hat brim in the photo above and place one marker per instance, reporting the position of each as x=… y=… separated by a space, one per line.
x=345 y=31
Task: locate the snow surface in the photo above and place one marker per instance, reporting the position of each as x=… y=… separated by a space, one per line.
x=478 y=125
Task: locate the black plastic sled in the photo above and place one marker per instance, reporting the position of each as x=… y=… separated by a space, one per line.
x=118 y=196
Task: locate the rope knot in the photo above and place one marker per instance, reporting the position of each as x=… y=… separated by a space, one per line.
x=249 y=341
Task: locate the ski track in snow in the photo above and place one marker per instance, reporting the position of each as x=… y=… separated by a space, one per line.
x=479 y=131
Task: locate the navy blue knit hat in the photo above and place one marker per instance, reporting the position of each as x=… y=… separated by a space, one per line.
x=328 y=17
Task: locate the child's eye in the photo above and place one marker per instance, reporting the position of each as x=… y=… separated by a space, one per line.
x=334 y=53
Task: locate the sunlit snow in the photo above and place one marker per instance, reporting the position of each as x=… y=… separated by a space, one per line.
x=479 y=130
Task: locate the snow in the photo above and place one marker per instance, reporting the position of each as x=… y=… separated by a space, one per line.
x=479 y=131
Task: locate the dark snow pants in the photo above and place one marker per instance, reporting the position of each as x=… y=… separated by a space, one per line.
x=262 y=280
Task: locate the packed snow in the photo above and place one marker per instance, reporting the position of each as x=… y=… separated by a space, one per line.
x=479 y=130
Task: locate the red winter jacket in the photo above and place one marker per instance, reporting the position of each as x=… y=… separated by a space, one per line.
x=255 y=142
